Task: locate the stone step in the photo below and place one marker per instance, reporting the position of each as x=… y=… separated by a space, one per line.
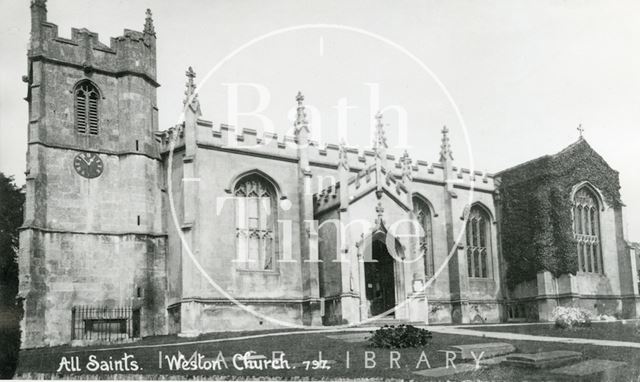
x=548 y=359
x=482 y=350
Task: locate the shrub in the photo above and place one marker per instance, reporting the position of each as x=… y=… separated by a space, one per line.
x=571 y=317
x=401 y=336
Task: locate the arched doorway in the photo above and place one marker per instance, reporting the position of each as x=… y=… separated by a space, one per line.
x=380 y=280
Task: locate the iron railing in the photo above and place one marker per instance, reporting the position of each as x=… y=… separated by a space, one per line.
x=104 y=324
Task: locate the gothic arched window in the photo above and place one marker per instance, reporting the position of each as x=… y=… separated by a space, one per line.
x=423 y=215
x=586 y=230
x=86 y=108
x=478 y=243
x=255 y=223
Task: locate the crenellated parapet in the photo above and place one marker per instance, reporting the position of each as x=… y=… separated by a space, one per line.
x=325 y=158
x=132 y=53
x=284 y=147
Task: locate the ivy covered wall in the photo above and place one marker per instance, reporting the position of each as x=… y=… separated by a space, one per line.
x=535 y=202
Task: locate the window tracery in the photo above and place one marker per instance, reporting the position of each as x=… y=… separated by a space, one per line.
x=255 y=223
x=586 y=231
x=425 y=245
x=478 y=233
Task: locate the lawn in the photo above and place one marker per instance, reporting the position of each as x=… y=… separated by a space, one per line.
x=304 y=347
x=618 y=331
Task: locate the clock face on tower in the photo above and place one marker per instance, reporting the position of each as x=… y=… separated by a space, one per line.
x=88 y=165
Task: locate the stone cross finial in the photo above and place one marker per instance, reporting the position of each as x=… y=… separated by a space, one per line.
x=190 y=91
x=581 y=130
x=148 y=24
x=301 y=115
x=445 y=148
x=190 y=84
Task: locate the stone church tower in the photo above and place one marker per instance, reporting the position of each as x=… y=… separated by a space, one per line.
x=92 y=233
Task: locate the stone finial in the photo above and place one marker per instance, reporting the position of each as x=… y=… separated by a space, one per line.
x=343 y=160
x=301 y=115
x=148 y=24
x=39 y=3
x=445 y=148
x=190 y=84
x=379 y=140
x=405 y=165
x=190 y=90
x=380 y=214
x=581 y=131
x=38 y=13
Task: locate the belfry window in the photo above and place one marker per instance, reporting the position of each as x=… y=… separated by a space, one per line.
x=586 y=231
x=255 y=223
x=478 y=243
x=86 y=108
x=423 y=215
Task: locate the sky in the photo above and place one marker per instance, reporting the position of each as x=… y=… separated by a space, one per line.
x=511 y=79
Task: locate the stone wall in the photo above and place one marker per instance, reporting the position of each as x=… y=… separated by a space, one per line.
x=126 y=111
x=212 y=239
x=90 y=242
x=215 y=246
x=61 y=270
x=203 y=316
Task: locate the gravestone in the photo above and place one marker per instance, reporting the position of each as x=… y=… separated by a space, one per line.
x=544 y=359
x=488 y=350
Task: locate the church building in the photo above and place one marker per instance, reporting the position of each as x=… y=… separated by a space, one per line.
x=133 y=229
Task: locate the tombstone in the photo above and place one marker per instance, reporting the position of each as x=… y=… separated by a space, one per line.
x=544 y=360
x=488 y=350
